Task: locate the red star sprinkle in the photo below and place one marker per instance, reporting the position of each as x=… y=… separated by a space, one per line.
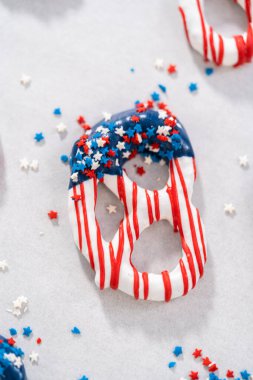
x=206 y=361
x=86 y=127
x=81 y=120
x=52 y=214
x=230 y=374
x=135 y=118
x=1 y=341
x=11 y=341
x=213 y=368
x=140 y=170
x=39 y=341
x=197 y=353
x=194 y=375
x=172 y=69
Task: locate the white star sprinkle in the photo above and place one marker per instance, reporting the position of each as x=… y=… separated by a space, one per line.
x=24 y=164
x=159 y=64
x=229 y=208
x=61 y=128
x=74 y=177
x=162 y=162
x=97 y=156
x=148 y=160
x=126 y=154
x=120 y=145
x=34 y=165
x=95 y=165
x=244 y=162
x=3 y=266
x=101 y=142
x=120 y=131
x=20 y=306
x=162 y=114
x=163 y=130
x=25 y=80
x=107 y=116
x=17 y=361
x=34 y=357
x=111 y=209
x=103 y=130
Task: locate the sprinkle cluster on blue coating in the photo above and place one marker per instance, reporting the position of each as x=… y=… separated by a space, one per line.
x=11 y=367
x=154 y=133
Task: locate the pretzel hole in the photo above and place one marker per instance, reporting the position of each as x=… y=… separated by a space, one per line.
x=109 y=223
x=232 y=21
x=157 y=249
x=154 y=177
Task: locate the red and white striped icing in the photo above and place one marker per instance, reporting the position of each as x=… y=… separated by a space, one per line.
x=112 y=260
x=214 y=47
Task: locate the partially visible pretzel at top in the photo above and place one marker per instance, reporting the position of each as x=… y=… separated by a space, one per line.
x=226 y=51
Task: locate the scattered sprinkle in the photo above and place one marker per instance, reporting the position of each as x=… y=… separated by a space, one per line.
x=80 y=120
x=172 y=69
x=206 y=361
x=197 y=353
x=61 y=128
x=155 y=96
x=20 y=306
x=172 y=364
x=52 y=214
x=193 y=87
x=64 y=158
x=245 y=375
x=34 y=165
x=148 y=160
x=230 y=374
x=39 y=341
x=140 y=170
x=25 y=80
x=34 y=357
x=39 y=136
x=76 y=331
x=57 y=112
x=107 y=116
x=162 y=88
x=13 y=332
x=177 y=351
x=209 y=71
x=132 y=69
x=84 y=378
x=244 y=162
x=27 y=331
x=112 y=209
x=159 y=64
x=3 y=265
x=213 y=368
x=24 y=164
x=229 y=208
x=194 y=375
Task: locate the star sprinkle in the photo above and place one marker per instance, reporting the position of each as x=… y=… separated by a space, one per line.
x=34 y=357
x=107 y=116
x=244 y=162
x=24 y=164
x=155 y=96
x=112 y=209
x=76 y=331
x=61 y=128
x=193 y=87
x=140 y=170
x=20 y=306
x=159 y=64
x=230 y=374
x=148 y=160
x=34 y=165
x=81 y=120
x=57 y=112
x=194 y=375
x=245 y=375
x=172 y=364
x=197 y=353
x=52 y=214
x=209 y=71
x=27 y=331
x=3 y=266
x=177 y=351
x=25 y=80
x=13 y=331
x=206 y=361
x=84 y=378
x=162 y=88
x=229 y=209
x=172 y=69
x=64 y=158
x=213 y=368
x=74 y=177
x=39 y=136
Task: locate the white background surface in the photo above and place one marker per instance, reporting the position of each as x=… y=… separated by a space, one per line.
x=79 y=54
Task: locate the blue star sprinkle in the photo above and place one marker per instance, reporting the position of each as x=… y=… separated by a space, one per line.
x=212 y=376
x=84 y=378
x=245 y=375
x=64 y=158
x=172 y=364
x=193 y=87
x=57 y=112
x=13 y=332
x=155 y=96
x=177 y=351
x=76 y=331
x=27 y=331
x=162 y=88
x=132 y=69
x=39 y=137
x=209 y=71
